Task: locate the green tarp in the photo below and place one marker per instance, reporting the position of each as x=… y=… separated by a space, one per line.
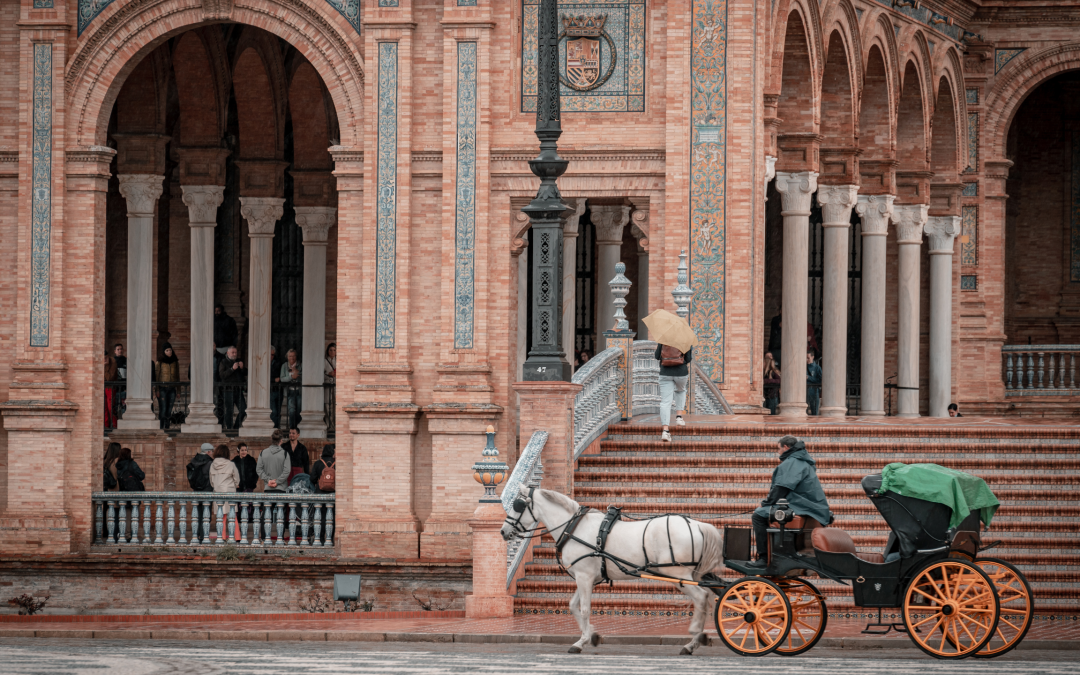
x=961 y=492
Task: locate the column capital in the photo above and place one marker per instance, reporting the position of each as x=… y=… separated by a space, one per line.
x=610 y=221
x=640 y=228
x=262 y=213
x=770 y=168
x=316 y=222
x=910 y=219
x=141 y=191
x=836 y=202
x=942 y=231
x=202 y=202
x=796 y=190
x=572 y=216
x=875 y=211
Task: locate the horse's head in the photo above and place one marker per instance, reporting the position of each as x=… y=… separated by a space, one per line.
x=520 y=519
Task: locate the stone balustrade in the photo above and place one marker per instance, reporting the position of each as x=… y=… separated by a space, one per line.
x=529 y=470
x=646 y=379
x=1039 y=369
x=597 y=404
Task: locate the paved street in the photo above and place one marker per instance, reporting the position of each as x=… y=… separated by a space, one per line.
x=55 y=657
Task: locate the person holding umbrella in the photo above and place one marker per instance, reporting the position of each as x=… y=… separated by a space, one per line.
x=674 y=350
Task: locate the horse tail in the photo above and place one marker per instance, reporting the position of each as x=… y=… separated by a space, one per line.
x=712 y=550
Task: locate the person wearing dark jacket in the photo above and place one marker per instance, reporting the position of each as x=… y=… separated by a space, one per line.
x=166 y=375
x=225 y=333
x=673 y=380
x=108 y=472
x=128 y=473
x=233 y=377
x=247 y=467
x=198 y=469
x=320 y=464
x=299 y=459
x=795 y=480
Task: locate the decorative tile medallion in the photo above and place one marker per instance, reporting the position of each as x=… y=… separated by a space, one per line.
x=969 y=282
x=41 y=201
x=708 y=189
x=601 y=55
x=88 y=10
x=1074 y=211
x=466 y=3
x=969 y=233
x=972 y=96
x=386 y=202
x=388 y=3
x=973 y=142
x=350 y=9
x=43 y=4
x=465 y=198
x=1002 y=57
x=970 y=190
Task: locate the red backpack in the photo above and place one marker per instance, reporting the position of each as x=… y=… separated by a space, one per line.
x=671 y=356
x=327 y=478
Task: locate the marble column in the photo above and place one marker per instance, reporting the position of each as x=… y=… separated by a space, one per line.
x=796 y=191
x=261 y=214
x=202 y=202
x=909 y=220
x=836 y=202
x=609 y=222
x=875 y=212
x=141 y=191
x=316 y=222
x=569 y=274
x=942 y=231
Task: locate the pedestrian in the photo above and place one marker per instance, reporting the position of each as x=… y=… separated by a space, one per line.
x=273 y=466
x=233 y=378
x=111 y=377
x=225 y=333
x=299 y=459
x=224 y=476
x=674 y=350
x=128 y=474
x=776 y=334
x=108 y=467
x=813 y=383
x=290 y=377
x=166 y=375
x=275 y=388
x=771 y=383
x=121 y=361
x=327 y=482
x=330 y=365
x=246 y=468
x=954 y=410
x=198 y=469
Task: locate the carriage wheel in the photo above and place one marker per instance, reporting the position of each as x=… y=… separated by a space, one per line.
x=753 y=616
x=809 y=615
x=1017 y=606
x=950 y=609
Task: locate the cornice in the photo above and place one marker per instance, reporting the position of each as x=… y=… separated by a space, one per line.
x=521 y=155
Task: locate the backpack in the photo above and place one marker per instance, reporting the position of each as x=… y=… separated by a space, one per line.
x=670 y=356
x=328 y=478
x=199 y=477
x=129 y=482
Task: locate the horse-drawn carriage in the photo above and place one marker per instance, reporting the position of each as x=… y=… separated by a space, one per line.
x=953 y=602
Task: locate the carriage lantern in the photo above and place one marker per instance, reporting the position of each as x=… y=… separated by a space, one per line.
x=489 y=471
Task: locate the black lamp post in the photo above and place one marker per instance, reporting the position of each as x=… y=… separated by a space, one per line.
x=547 y=360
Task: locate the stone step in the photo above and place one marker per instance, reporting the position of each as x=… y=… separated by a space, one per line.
x=702 y=476
x=974 y=431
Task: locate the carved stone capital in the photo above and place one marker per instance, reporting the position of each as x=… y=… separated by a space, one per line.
x=875 y=212
x=261 y=213
x=609 y=222
x=203 y=202
x=572 y=216
x=141 y=191
x=910 y=219
x=836 y=202
x=942 y=231
x=796 y=191
x=316 y=222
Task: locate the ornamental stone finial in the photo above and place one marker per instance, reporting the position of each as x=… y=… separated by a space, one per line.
x=489 y=470
x=682 y=293
x=262 y=214
x=203 y=202
x=620 y=286
x=942 y=231
x=909 y=220
x=875 y=212
x=141 y=191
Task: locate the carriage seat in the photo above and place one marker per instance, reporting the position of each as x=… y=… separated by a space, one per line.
x=802 y=525
x=835 y=540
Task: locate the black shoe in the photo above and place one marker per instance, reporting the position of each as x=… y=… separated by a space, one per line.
x=756 y=565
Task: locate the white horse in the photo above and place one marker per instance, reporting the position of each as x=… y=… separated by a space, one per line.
x=631 y=541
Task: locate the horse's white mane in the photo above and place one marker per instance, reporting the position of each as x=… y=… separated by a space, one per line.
x=562 y=500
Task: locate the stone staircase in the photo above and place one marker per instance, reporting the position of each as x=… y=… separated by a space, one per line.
x=710 y=471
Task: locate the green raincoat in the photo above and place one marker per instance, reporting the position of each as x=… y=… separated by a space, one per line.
x=798 y=473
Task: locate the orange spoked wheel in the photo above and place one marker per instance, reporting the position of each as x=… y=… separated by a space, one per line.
x=753 y=617
x=809 y=615
x=1017 y=607
x=950 y=609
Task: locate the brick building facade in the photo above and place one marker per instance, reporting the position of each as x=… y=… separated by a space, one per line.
x=161 y=156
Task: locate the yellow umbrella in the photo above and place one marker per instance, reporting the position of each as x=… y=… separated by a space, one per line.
x=669 y=329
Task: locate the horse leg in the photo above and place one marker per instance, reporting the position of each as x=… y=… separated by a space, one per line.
x=582 y=612
x=699 y=596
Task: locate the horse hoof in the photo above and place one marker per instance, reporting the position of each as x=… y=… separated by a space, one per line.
x=574 y=650
x=595 y=639
x=686 y=652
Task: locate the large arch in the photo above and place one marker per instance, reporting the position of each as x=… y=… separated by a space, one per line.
x=912 y=133
x=809 y=15
x=839 y=126
x=876 y=138
x=125 y=33
x=798 y=104
x=944 y=143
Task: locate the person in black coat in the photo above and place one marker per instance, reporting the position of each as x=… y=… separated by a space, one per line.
x=320 y=464
x=225 y=333
x=299 y=459
x=128 y=473
x=245 y=466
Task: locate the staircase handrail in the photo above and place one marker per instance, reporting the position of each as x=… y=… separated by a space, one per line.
x=708 y=400
x=596 y=406
x=528 y=470
x=646 y=393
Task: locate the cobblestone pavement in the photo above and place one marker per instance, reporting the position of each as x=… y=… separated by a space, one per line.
x=77 y=657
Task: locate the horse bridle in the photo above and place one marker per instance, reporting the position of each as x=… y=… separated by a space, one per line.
x=520 y=506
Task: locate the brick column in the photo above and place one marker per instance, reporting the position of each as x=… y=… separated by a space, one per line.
x=489 y=599
x=549 y=406
x=875 y=211
x=942 y=231
x=909 y=219
x=836 y=202
x=316 y=222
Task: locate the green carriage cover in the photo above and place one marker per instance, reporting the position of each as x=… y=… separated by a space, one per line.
x=961 y=492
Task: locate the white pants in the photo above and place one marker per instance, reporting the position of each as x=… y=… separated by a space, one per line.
x=671 y=388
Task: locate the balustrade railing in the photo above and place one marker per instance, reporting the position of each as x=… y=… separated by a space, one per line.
x=1039 y=369
x=708 y=399
x=646 y=393
x=528 y=470
x=201 y=519
x=596 y=405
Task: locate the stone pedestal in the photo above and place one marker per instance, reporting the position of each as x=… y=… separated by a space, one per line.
x=489 y=598
x=549 y=406
x=609 y=222
x=836 y=202
x=141 y=192
x=942 y=231
x=796 y=190
x=261 y=214
x=202 y=202
x=909 y=219
x=316 y=222
x=875 y=212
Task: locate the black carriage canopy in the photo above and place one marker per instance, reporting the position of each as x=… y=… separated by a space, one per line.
x=922 y=502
